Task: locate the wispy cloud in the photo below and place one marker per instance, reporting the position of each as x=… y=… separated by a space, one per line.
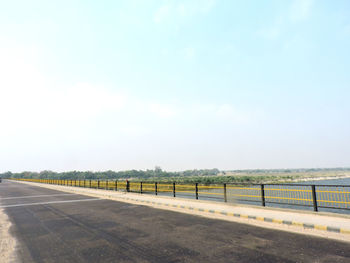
x=270 y=32
x=163 y=110
x=300 y=10
x=175 y=10
x=225 y=113
x=189 y=52
x=162 y=13
x=346 y=30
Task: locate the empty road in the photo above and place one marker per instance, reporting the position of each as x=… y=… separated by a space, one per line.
x=53 y=226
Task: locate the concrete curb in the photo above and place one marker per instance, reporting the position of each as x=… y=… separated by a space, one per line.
x=264 y=219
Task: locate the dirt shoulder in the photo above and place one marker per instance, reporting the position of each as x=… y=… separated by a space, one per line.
x=7 y=241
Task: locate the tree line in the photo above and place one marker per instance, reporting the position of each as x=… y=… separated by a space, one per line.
x=113 y=175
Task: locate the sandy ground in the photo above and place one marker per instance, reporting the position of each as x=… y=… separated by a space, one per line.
x=281 y=214
x=7 y=242
x=319 y=178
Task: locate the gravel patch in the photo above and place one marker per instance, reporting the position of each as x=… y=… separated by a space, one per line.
x=7 y=242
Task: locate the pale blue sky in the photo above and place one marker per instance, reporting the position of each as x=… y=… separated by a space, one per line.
x=98 y=85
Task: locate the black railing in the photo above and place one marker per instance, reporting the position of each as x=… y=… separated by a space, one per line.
x=281 y=195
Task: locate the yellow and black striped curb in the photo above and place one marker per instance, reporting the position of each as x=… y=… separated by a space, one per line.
x=264 y=219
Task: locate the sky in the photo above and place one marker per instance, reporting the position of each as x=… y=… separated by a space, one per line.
x=195 y=84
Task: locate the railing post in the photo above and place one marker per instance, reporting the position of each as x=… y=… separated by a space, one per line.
x=98 y=184
x=106 y=184
x=141 y=187
x=84 y=183
x=174 y=193
x=197 y=191
x=127 y=186
x=314 y=200
x=262 y=195
x=89 y=183
x=225 y=195
x=156 y=188
x=116 y=185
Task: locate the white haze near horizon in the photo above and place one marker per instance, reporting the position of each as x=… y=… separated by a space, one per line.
x=177 y=84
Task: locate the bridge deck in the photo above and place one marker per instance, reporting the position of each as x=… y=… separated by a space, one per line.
x=56 y=226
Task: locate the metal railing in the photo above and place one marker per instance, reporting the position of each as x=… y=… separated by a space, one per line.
x=284 y=195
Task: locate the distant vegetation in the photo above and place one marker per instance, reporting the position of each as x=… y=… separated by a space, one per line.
x=191 y=176
x=131 y=174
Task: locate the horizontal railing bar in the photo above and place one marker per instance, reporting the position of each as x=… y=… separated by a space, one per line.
x=296 y=204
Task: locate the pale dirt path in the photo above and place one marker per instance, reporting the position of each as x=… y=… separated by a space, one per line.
x=7 y=242
x=281 y=214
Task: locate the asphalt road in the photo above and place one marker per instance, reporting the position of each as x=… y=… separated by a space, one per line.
x=53 y=226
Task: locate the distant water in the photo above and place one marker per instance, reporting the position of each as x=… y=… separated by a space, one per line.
x=343 y=181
